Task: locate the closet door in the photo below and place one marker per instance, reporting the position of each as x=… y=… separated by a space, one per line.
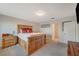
x=69 y=32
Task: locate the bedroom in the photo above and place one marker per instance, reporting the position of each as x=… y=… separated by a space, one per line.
x=42 y=19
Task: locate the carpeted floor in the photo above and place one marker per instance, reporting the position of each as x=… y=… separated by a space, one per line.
x=12 y=51
x=51 y=49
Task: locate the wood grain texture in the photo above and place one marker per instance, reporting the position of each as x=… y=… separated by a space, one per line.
x=33 y=44
x=36 y=43
x=8 y=40
x=73 y=48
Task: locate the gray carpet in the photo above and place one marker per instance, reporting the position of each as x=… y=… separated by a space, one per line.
x=12 y=51
x=51 y=49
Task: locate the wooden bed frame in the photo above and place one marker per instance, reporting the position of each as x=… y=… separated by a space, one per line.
x=34 y=42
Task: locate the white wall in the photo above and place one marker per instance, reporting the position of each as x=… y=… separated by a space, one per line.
x=9 y=24
x=72 y=18
x=59 y=21
x=63 y=38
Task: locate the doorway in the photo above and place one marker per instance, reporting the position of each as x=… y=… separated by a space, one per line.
x=55 y=32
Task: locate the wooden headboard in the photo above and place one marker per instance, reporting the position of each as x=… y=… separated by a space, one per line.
x=24 y=28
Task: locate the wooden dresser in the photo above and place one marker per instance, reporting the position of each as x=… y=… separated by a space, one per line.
x=8 y=40
x=73 y=48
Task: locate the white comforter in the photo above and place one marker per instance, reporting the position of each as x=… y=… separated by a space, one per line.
x=24 y=36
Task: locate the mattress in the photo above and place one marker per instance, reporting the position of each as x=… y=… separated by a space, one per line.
x=24 y=36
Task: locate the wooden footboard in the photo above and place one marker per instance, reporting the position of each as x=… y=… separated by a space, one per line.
x=36 y=42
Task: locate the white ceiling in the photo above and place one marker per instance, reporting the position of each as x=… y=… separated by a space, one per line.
x=26 y=11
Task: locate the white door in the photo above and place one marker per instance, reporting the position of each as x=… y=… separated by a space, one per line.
x=69 y=32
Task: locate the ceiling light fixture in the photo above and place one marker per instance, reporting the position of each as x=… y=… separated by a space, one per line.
x=40 y=13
